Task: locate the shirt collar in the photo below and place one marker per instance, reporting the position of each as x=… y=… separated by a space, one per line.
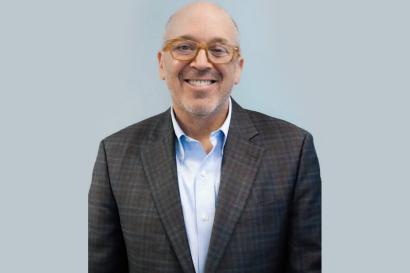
x=180 y=133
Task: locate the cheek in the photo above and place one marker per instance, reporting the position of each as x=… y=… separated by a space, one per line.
x=229 y=76
x=173 y=68
x=172 y=76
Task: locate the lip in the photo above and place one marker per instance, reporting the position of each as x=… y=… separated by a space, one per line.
x=213 y=82
x=199 y=79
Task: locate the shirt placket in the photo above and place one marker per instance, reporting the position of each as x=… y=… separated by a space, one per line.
x=205 y=208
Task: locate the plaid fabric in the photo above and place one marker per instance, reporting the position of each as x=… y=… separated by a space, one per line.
x=268 y=213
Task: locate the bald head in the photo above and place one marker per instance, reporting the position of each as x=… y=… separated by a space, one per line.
x=205 y=16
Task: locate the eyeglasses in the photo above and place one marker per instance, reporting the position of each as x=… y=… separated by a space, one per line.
x=187 y=50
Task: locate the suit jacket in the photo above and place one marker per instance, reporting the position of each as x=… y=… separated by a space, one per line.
x=268 y=212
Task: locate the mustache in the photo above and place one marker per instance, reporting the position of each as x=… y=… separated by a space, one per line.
x=192 y=74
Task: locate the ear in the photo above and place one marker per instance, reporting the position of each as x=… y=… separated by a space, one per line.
x=238 y=70
x=160 y=58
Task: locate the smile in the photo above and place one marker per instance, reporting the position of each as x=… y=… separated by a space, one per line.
x=200 y=83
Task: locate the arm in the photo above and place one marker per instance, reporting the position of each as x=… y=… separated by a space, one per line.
x=106 y=248
x=304 y=243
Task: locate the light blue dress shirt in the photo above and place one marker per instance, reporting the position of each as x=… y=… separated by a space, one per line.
x=198 y=180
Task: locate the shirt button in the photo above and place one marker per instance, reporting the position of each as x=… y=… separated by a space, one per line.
x=203 y=174
x=205 y=217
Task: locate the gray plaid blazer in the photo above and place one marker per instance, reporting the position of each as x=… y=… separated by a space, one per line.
x=268 y=212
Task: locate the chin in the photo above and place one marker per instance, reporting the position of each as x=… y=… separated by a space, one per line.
x=204 y=108
x=199 y=110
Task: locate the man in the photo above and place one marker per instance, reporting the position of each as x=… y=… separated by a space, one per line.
x=206 y=186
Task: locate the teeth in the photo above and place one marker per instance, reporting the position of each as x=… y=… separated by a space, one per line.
x=200 y=82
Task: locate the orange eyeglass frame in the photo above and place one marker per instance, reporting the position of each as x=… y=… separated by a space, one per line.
x=205 y=46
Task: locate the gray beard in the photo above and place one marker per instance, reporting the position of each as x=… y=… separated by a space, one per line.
x=205 y=111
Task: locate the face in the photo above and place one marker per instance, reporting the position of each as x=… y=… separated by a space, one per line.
x=199 y=87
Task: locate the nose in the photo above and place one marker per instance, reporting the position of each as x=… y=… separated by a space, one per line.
x=201 y=61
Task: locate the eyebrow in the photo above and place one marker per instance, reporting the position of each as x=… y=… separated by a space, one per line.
x=213 y=40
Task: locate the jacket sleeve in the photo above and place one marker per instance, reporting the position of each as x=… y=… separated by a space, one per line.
x=304 y=244
x=106 y=248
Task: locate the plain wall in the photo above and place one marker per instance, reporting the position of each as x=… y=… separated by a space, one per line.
x=73 y=72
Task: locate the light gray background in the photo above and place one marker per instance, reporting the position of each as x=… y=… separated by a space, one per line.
x=73 y=72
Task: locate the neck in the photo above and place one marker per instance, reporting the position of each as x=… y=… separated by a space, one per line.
x=200 y=127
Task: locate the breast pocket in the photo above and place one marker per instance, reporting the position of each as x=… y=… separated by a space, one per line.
x=264 y=209
x=141 y=216
x=143 y=231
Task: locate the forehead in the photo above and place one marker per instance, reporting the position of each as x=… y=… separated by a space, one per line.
x=206 y=25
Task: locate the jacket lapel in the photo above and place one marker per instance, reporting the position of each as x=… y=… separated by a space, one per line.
x=158 y=159
x=239 y=166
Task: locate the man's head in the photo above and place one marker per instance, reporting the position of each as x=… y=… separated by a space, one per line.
x=200 y=87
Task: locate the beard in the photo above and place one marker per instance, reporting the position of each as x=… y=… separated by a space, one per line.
x=204 y=108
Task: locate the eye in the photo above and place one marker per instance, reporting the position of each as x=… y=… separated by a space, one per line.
x=184 y=48
x=219 y=50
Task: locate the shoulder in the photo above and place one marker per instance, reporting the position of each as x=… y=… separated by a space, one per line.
x=271 y=126
x=278 y=136
x=283 y=143
x=136 y=134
